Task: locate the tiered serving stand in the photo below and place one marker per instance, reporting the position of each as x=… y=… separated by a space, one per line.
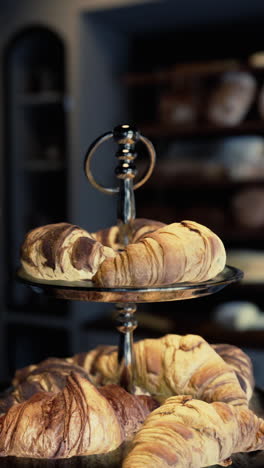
x=126 y=298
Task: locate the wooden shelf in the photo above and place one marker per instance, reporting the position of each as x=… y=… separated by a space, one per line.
x=183 y=180
x=188 y=70
x=161 y=130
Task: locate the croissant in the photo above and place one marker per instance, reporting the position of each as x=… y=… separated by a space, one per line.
x=79 y=420
x=172 y=365
x=188 y=433
x=62 y=251
x=49 y=376
x=65 y=392
x=185 y=251
x=159 y=254
x=240 y=363
x=164 y=367
x=139 y=228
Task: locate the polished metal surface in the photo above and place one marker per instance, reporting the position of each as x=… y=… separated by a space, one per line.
x=126 y=137
x=109 y=190
x=126 y=324
x=88 y=291
x=125 y=298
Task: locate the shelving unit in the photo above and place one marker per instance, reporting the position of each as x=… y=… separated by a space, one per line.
x=36 y=191
x=191 y=70
x=170 y=131
x=205 y=191
x=109 y=43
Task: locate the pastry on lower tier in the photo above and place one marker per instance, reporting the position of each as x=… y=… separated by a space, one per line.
x=61 y=407
x=185 y=433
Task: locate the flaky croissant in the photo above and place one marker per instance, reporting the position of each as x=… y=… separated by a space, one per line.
x=79 y=420
x=62 y=252
x=172 y=365
x=158 y=254
x=139 y=228
x=185 y=251
x=48 y=376
x=163 y=367
x=240 y=363
x=188 y=433
x=99 y=366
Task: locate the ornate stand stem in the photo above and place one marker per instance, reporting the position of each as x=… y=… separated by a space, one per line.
x=126 y=137
x=126 y=324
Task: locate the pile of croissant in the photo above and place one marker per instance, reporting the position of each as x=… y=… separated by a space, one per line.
x=190 y=409
x=158 y=254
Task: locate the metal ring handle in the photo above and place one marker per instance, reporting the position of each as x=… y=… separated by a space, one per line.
x=109 y=190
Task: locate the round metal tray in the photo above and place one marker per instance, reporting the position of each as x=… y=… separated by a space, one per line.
x=88 y=291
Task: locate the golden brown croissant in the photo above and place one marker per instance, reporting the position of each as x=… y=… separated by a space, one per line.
x=79 y=420
x=49 y=375
x=165 y=366
x=187 y=433
x=185 y=251
x=159 y=254
x=172 y=365
x=139 y=227
x=240 y=363
x=66 y=252
x=62 y=251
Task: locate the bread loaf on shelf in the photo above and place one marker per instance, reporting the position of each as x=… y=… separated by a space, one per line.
x=231 y=99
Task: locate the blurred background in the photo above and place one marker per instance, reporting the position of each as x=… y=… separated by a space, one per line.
x=190 y=75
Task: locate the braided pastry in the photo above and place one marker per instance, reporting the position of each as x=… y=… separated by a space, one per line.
x=159 y=254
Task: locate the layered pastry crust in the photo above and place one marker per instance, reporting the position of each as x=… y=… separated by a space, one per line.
x=158 y=254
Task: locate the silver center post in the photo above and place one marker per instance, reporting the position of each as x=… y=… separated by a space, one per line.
x=126 y=137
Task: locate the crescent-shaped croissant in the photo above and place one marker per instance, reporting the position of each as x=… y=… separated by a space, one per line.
x=62 y=252
x=158 y=254
x=172 y=365
x=185 y=251
x=79 y=420
x=55 y=404
x=188 y=433
x=99 y=367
